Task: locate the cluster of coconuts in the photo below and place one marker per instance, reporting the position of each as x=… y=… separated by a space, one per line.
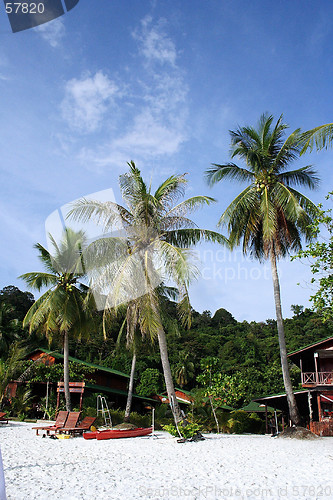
x=264 y=181
x=68 y=286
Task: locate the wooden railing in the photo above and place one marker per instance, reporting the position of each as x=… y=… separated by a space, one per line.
x=319 y=378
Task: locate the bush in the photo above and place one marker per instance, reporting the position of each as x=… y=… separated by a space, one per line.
x=241 y=422
x=150 y=383
x=188 y=431
x=163 y=416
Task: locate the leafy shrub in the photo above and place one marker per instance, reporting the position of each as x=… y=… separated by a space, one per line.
x=241 y=422
x=150 y=383
x=188 y=431
x=163 y=416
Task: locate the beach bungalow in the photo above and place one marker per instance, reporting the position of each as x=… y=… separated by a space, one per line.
x=315 y=399
x=182 y=396
x=102 y=380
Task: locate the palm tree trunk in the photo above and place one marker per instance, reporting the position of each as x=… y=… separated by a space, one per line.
x=66 y=372
x=177 y=414
x=292 y=405
x=130 y=390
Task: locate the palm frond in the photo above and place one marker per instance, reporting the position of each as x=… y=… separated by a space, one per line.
x=288 y=152
x=45 y=257
x=218 y=172
x=185 y=238
x=108 y=214
x=321 y=137
x=304 y=176
x=191 y=204
x=38 y=280
x=171 y=189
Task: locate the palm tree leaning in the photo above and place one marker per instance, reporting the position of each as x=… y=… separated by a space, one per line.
x=152 y=248
x=269 y=216
x=67 y=307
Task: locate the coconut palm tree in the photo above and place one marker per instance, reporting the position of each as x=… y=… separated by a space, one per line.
x=184 y=369
x=269 y=216
x=152 y=247
x=67 y=307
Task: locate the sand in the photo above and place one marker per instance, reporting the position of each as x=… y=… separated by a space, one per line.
x=221 y=467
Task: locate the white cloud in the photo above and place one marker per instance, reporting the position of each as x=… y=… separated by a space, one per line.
x=87 y=100
x=52 y=32
x=154 y=44
x=151 y=121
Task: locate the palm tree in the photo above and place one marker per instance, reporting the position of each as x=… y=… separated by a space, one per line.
x=153 y=247
x=67 y=307
x=269 y=216
x=184 y=369
x=132 y=340
x=136 y=331
x=8 y=327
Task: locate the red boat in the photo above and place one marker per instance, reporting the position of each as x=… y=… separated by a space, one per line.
x=118 y=433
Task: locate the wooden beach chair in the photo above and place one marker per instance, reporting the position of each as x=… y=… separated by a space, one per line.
x=85 y=425
x=3 y=418
x=70 y=423
x=60 y=422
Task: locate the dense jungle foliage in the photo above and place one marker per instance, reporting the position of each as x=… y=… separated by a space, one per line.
x=243 y=357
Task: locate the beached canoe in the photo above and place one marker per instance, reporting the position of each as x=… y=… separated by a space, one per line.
x=118 y=433
x=90 y=435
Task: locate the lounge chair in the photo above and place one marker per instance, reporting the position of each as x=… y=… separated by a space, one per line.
x=60 y=422
x=71 y=422
x=3 y=418
x=85 y=425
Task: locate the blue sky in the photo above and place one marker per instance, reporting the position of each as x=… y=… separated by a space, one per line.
x=160 y=83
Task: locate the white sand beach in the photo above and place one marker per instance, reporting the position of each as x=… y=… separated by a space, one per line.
x=221 y=467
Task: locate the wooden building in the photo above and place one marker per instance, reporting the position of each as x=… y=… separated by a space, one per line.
x=103 y=380
x=315 y=400
x=182 y=396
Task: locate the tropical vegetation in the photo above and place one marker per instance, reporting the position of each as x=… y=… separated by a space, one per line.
x=320 y=255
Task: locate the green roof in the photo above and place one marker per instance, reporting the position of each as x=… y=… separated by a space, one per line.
x=102 y=388
x=189 y=393
x=58 y=355
x=310 y=345
x=254 y=407
x=298 y=391
x=222 y=406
